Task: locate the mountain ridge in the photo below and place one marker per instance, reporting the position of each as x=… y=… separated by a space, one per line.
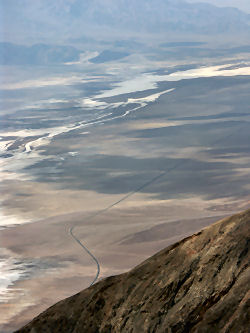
x=74 y=17
x=199 y=284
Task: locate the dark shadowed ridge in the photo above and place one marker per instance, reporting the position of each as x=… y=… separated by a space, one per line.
x=199 y=284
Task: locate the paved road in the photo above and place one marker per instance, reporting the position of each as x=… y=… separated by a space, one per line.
x=71 y=229
x=151 y=181
x=87 y=250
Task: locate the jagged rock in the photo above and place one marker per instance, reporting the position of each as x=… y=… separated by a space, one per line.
x=199 y=284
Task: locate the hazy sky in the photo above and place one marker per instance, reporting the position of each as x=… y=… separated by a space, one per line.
x=241 y=4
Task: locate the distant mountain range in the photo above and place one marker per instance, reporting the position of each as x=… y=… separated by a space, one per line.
x=200 y=284
x=47 y=19
x=37 y=54
x=161 y=15
x=49 y=55
x=45 y=32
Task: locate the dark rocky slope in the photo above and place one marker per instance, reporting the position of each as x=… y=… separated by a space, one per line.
x=199 y=284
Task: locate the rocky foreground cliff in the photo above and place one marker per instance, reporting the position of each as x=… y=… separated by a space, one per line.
x=200 y=284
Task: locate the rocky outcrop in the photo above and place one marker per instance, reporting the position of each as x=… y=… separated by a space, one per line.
x=199 y=284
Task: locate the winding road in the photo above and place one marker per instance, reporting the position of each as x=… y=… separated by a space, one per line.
x=151 y=181
x=72 y=228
